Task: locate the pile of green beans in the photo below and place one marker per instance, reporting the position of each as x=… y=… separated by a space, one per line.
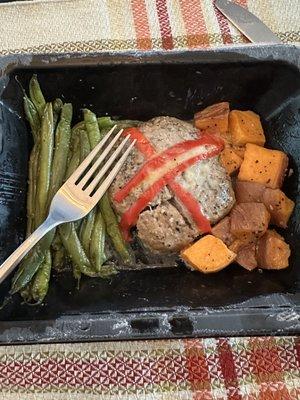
x=58 y=149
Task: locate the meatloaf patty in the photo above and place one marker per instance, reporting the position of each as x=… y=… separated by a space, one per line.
x=166 y=226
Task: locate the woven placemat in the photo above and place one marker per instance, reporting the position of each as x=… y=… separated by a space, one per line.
x=95 y=25
x=199 y=369
x=207 y=369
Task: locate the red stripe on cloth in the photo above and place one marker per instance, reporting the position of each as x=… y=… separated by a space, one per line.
x=164 y=24
x=264 y=360
x=228 y=370
x=224 y=27
x=194 y=22
x=141 y=24
x=297 y=348
x=198 y=371
x=242 y=3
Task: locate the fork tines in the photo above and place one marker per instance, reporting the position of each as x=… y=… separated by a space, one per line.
x=93 y=169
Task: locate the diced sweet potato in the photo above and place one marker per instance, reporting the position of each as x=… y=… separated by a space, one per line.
x=279 y=206
x=272 y=232
x=239 y=150
x=230 y=160
x=238 y=244
x=208 y=254
x=272 y=252
x=213 y=116
x=263 y=166
x=246 y=257
x=222 y=231
x=249 y=219
x=247 y=192
x=245 y=127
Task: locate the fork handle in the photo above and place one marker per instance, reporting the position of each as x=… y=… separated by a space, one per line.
x=13 y=260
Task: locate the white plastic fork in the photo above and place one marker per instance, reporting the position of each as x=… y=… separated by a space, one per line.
x=78 y=195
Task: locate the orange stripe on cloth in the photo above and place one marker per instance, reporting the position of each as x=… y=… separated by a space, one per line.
x=141 y=24
x=194 y=22
x=164 y=24
x=224 y=27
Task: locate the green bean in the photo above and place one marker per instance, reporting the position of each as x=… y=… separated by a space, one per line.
x=68 y=232
x=40 y=284
x=92 y=128
x=26 y=294
x=85 y=147
x=97 y=242
x=112 y=227
x=107 y=271
x=105 y=122
x=127 y=123
x=31 y=263
x=36 y=95
x=31 y=192
x=62 y=143
x=32 y=117
x=57 y=105
x=73 y=162
x=58 y=258
x=34 y=259
x=56 y=244
x=34 y=121
x=45 y=164
x=73 y=246
x=88 y=222
x=86 y=229
x=113 y=230
x=78 y=127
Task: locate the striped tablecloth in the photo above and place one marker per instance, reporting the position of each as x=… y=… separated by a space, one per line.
x=95 y=25
x=206 y=369
x=200 y=369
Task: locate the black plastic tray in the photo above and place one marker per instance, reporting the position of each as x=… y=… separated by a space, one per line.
x=154 y=303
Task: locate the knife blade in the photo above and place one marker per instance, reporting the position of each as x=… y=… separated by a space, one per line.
x=246 y=22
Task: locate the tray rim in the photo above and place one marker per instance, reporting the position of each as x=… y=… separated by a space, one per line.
x=283 y=317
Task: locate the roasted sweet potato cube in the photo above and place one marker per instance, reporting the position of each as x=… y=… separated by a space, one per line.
x=230 y=160
x=239 y=150
x=222 y=231
x=279 y=206
x=263 y=166
x=247 y=192
x=238 y=244
x=208 y=254
x=272 y=251
x=246 y=257
x=215 y=116
x=249 y=219
x=245 y=127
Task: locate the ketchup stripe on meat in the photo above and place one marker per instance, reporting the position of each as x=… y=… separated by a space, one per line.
x=130 y=217
x=186 y=198
x=153 y=164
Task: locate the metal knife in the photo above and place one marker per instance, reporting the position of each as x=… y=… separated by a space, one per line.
x=246 y=22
